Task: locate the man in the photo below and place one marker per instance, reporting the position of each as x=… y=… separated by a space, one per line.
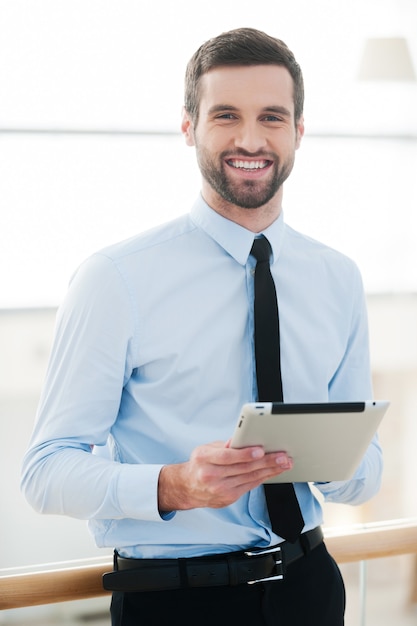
x=154 y=356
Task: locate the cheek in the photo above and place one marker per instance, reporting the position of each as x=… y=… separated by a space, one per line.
x=287 y=144
x=207 y=144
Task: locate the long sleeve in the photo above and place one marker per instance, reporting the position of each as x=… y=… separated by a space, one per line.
x=352 y=381
x=90 y=362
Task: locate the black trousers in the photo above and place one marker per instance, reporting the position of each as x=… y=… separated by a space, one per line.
x=311 y=594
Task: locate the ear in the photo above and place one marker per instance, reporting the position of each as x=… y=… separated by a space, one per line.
x=299 y=132
x=187 y=128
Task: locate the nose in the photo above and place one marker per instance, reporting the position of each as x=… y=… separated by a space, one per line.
x=250 y=137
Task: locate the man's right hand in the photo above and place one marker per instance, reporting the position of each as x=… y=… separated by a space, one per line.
x=216 y=476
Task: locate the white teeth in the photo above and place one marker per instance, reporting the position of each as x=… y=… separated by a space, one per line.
x=249 y=165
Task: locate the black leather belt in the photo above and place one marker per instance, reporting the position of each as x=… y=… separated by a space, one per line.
x=233 y=568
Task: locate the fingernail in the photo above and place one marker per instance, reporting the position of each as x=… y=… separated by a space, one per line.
x=282 y=461
x=257 y=453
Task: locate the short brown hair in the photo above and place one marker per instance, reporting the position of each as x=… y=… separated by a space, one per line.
x=242 y=46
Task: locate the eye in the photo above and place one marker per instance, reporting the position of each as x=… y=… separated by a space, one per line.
x=272 y=118
x=226 y=116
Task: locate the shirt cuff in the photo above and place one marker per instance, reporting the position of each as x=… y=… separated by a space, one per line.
x=137 y=492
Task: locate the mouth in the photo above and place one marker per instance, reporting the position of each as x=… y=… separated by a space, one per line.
x=248 y=165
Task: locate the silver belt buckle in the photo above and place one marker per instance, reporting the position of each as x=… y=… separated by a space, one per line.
x=278 y=561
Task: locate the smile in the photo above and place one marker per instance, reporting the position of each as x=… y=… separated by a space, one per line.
x=248 y=165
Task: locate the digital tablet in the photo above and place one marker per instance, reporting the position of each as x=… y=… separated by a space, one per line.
x=326 y=440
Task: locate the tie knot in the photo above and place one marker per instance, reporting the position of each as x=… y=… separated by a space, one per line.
x=261 y=249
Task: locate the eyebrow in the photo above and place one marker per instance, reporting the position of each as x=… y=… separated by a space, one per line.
x=280 y=110
x=217 y=108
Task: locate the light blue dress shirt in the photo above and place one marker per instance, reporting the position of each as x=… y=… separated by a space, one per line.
x=153 y=355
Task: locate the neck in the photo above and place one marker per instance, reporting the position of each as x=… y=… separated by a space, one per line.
x=255 y=220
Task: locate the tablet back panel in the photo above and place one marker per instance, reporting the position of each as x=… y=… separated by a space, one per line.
x=326 y=440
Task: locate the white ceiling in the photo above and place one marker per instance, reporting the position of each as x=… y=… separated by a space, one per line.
x=120 y=63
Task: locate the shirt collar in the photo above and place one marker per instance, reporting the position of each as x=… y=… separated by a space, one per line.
x=232 y=237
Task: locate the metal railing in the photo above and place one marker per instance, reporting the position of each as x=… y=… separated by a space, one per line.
x=78 y=580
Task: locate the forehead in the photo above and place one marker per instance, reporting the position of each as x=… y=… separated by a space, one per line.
x=254 y=86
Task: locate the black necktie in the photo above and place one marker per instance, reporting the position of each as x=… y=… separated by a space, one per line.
x=283 y=508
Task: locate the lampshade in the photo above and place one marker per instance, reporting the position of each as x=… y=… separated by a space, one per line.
x=386 y=58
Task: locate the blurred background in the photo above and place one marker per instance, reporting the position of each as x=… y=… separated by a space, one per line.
x=90 y=153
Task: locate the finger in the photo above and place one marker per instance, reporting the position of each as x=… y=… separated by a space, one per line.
x=246 y=481
x=268 y=466
x=218 y=453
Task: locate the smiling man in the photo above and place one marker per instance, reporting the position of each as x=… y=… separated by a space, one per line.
x=154 y=356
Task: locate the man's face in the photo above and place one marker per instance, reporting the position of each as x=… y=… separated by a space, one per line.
x=246 y=135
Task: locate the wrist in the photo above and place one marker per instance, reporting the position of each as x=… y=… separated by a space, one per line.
x=171 y=490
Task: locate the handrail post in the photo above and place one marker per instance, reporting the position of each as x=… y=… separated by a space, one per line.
x=363 y=571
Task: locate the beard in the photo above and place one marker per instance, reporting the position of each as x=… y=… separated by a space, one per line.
x=246 y=194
